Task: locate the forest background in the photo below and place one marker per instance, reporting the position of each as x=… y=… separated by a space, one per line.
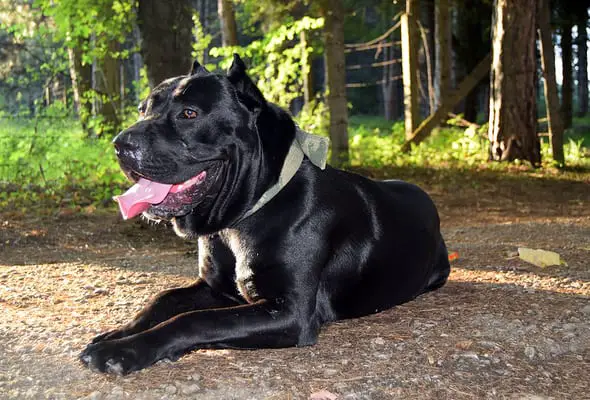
x=437 y=84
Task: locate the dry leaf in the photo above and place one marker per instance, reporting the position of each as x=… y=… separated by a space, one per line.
x=538 y=257
x=464 y=344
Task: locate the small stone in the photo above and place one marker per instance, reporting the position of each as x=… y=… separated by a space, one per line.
x=94 y=396
x=170 y=389
x=189 y=389
x=586 y=309
x=530 y=352
x=379 y=341
x=470 y=355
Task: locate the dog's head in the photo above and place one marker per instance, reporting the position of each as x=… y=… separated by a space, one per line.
x=214 y=138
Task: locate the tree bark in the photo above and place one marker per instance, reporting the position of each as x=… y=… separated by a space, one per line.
x=333 y=12
x=167 y=34
x=81 y=77
x=306 y=71
x=227 y=18
x=426 y=31
x=410 y=44
x=582 y=64
x=442 y=46
x=566 y=84
x=549 y=81
x=137 y=64
x=512 y=124
x=107 y=86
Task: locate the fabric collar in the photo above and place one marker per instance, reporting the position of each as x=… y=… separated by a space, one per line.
x=314 y=147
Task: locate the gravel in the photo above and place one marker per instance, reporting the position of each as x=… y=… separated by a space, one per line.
x=499 y=329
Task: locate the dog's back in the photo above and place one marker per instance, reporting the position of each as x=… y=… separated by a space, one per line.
x=383 y=235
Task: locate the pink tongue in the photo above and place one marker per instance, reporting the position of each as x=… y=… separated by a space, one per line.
x=144 y=193
x=139 y=197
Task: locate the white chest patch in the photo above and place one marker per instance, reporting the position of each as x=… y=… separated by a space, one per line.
x=243 y=252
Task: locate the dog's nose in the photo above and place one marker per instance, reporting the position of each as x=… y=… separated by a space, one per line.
x=125 y=141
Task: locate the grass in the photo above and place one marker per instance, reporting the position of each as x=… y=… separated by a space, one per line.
x=51 y=160
x=52 y=157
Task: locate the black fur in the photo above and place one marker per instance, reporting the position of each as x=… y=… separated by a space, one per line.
x=330 y=245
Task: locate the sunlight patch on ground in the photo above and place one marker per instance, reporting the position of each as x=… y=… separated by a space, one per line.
x=531 y=282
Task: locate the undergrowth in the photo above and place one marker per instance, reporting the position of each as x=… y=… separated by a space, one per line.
x=50 y=160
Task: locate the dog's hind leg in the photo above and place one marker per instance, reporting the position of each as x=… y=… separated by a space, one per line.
x=441 y=270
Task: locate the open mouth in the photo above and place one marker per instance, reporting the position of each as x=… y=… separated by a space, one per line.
x=155 y=196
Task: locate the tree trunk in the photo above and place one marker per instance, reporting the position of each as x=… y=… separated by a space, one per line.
x=107 y=86
x=442 y=45
x=306 y=71
x=167 y=34
x=427 y=23
x=582 y=64
x=549 y=81
x=333 y=12
x=567 y=84
x=137 y=64
x=227 y=19
x=410 y=44
x=81 y=76
x=512 y=124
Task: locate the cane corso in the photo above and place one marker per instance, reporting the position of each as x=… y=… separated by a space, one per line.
x=280 y=254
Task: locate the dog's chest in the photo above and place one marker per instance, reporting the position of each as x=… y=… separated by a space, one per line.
x=244 y=254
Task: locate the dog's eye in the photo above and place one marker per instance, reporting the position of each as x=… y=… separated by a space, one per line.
x=188 y=113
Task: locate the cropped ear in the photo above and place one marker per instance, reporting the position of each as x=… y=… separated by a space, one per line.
x=198 y=69
x=247 y=90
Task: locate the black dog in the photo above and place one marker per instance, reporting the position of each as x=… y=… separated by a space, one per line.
x=329 y=245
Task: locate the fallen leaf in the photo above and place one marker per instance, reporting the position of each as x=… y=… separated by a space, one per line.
x=323 y=395
x=453 y=256
x=540 y=258
x=464 y=344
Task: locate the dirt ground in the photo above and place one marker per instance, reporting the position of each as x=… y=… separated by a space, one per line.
x=500 y=328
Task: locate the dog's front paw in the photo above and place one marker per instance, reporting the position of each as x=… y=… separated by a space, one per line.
x=118 y=357
x=110 y=335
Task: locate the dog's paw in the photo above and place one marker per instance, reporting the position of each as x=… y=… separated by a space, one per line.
x=110 y=335
x=118 y=357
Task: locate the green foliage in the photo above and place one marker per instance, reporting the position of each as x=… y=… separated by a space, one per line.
x=203 y=40
x=51 y=155
x=78 y=21
x=315 y=118
x=375 y=142
x=276 y=60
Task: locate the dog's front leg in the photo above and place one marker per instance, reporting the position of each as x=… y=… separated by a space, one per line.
x=167 y=304
x=258 y=325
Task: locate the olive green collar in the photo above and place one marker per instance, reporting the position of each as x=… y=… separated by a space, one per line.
x=314 y=147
